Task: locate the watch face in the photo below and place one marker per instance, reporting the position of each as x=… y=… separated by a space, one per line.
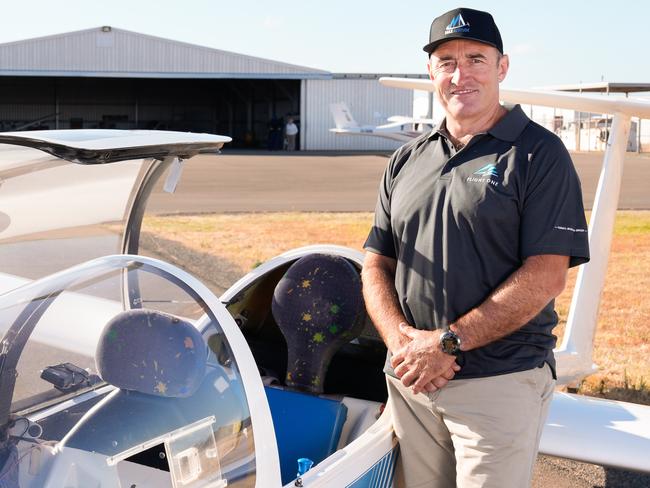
x=450 y=343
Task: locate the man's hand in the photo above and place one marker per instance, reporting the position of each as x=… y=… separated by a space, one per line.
x=378 y=276
x=421 y=363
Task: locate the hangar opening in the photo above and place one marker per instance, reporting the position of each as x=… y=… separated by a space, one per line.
x=251 y=111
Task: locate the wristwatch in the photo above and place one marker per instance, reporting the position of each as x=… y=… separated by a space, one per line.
x=450 y=343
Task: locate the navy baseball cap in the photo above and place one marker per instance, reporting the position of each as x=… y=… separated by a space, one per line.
x=464 y=23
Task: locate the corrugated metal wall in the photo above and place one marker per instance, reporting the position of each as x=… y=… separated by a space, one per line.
x=369 y=102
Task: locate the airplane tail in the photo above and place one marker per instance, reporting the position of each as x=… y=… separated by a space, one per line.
x=342 y=116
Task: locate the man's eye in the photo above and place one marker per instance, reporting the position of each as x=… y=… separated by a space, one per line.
x=476 y=60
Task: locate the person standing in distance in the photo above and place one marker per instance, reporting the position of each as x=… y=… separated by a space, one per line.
x=291 y=130
x=475 y=226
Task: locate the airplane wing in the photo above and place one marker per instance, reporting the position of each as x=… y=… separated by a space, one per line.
x=401 y=136
x=403 y=119
x=585 y=103
x=598 y=431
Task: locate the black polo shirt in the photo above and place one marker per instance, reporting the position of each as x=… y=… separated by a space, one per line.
x=460 y=222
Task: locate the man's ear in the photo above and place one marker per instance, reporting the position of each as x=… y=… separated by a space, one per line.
x=502 y=68
x=430 y=70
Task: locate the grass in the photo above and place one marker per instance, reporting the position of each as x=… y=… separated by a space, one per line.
x=250 y=239
x=622 y=345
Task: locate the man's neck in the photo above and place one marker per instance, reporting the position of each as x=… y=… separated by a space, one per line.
x=461 y=131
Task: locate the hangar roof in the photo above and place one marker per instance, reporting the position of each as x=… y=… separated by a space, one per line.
x=110 y=52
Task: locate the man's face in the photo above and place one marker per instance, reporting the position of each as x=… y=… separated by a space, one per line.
x=466 y=76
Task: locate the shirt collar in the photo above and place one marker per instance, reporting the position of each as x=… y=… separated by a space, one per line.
x=439 y=130
x=509 y=128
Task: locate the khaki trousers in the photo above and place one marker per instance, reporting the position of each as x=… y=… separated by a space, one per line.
x=291 y=142
x=481 y=432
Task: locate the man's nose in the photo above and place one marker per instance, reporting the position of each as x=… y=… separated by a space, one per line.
x=458 y=74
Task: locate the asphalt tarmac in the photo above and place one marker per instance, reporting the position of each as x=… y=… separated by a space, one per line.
x=337 y=182
x=343 y=182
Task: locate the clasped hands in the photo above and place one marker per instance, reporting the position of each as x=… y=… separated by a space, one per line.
x=420 y=363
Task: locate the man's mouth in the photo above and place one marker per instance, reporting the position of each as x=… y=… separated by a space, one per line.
x=463 y=92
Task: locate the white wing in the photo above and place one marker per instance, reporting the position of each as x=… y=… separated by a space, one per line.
x=598 y=431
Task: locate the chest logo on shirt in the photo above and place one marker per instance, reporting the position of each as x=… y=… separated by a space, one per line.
x=484 y=175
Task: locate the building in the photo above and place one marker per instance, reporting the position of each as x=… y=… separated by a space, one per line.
x=112 y=78
x=581 y=131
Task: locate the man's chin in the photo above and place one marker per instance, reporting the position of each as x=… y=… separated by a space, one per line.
x=462 y=110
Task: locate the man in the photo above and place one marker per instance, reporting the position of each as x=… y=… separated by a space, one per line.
x=291 y=130
x=475 y=226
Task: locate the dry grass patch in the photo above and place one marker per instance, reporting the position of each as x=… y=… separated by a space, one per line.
x=622 y=348
x=252 y=238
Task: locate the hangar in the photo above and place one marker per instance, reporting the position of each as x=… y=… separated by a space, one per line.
x=113 y=78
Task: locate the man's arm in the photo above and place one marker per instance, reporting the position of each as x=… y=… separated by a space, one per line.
x=516 y=301
x=382 y=304
x=380 y=295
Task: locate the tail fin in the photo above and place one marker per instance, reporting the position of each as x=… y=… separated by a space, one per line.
x=342 y=116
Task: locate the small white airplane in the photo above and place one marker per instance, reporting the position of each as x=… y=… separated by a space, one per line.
x=399 y=127
x=125 y=370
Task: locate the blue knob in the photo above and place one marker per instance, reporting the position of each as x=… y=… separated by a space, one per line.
x=304 y=465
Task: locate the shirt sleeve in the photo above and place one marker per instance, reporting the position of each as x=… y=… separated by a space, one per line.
x=380 y=239
x=553 y=216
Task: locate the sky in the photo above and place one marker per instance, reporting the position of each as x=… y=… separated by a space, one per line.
x=549 y=41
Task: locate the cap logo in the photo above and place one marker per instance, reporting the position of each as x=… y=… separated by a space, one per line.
x=457 y=24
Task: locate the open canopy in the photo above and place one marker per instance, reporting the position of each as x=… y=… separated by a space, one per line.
x=108 y=146
x=69 y=195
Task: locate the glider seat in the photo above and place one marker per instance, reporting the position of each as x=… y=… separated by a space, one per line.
x=318 y=306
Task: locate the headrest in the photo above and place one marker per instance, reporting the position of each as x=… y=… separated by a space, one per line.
x=318 y=306
x=151 y=352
